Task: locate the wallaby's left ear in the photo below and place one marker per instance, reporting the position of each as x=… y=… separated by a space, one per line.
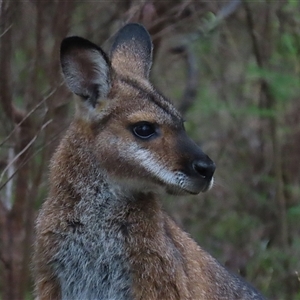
x=132 y=51
x=86 y=69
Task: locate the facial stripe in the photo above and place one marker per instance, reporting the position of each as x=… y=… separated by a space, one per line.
x=150 y=163
x=146 y=159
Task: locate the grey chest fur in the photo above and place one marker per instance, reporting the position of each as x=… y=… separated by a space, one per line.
x=91 y=261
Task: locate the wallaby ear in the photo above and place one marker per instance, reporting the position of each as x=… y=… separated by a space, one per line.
x=132 y=50
x=86 y=69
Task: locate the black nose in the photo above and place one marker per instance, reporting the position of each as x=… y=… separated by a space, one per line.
x=205 y=168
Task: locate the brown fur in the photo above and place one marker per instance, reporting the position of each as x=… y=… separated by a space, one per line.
x=102 y=233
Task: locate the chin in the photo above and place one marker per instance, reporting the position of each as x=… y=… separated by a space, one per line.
x=174 y=190
x=189 y=190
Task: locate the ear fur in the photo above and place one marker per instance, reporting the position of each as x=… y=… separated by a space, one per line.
x=86 y=69
x=132 y=51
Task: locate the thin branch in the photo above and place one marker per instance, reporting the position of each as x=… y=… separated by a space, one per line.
x=223 y=14
x=5 y=31
x=7 y=201
x=192 y=80
x=24 y=149
x=29 y=158
x=255 y=44
x=205 y=29
x=28 y=114
x=13 y=113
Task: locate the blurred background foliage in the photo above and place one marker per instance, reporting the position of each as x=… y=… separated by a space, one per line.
x=231 y=67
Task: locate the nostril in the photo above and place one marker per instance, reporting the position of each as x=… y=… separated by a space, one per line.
x=205 y=169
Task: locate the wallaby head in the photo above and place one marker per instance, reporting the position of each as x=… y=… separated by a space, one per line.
x=136 y=133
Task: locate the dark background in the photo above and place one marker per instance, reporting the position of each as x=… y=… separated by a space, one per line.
x=231 y=67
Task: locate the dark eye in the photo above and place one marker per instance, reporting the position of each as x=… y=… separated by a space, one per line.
x=144 y=130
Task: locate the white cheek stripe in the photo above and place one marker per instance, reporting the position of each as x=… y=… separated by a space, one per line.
x=211 y=184
x=146 y=159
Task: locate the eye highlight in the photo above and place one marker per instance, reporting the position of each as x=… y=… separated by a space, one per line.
x=144 y=130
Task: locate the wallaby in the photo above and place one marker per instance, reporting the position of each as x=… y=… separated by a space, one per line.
x=102 y=233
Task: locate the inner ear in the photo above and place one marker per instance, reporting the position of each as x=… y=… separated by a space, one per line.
x=86 y=69
x=132 y=51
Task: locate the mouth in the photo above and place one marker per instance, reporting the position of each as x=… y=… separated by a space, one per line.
x=208 y=186
x=191 y=187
